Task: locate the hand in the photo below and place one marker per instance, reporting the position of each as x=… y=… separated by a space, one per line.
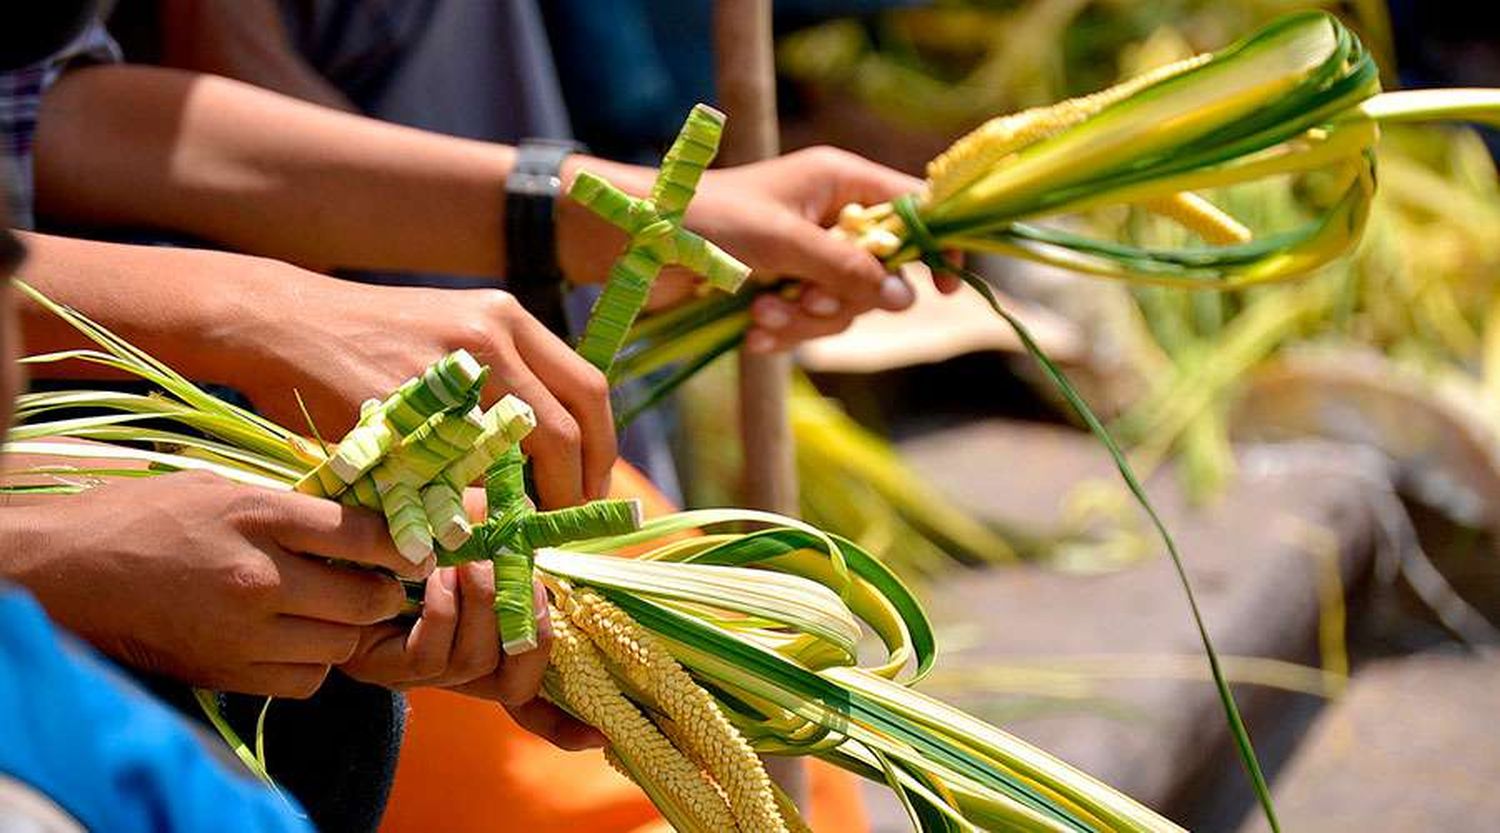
x=211 y=582
x=773 y=216
x=456 y=645
x=338 y=343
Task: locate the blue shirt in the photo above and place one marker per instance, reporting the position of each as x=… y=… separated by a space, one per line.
x=103 y=751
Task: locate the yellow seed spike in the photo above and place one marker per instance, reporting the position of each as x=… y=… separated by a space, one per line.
x=706 y=734
x=1196 y=214
x=679 y=739
x=675 y=815
x=591 y=693
x=984 y=147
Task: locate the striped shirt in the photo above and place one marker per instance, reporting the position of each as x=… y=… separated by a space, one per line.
x=21 y=92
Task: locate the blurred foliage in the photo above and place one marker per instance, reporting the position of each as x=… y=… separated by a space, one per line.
x=850 y=480
x=951 y=65
x=1421 y=288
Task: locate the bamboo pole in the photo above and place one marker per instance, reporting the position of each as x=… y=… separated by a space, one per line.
x=746 y=79
x=747 y=94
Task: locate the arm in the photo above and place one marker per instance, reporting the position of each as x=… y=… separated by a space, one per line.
x=268 y=329
x=267 y=174
x=229 y=587
x=205 y=580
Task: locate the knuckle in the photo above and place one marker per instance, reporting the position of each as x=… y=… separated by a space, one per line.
x=136 y=653
x=510 y=694
x=766 y=303
x=251 y=579
x=785 y=226
x=475 y=334
x=829 y=155
x=366 y=532
x=253 y=510
x=819 y=152
x=480 y=327
x=561 y=431
x=345 y=649
x=442 y=617
x=497 y=304
x=595 y=385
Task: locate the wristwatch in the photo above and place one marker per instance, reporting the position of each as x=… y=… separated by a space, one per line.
x=533 y=275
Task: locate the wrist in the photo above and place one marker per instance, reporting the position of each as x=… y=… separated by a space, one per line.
x=176 y=304
x=532 y=191
x=25 y=535
x=256 y=329
x=56 y=553
x=586 y=244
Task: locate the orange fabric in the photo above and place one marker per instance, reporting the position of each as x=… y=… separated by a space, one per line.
x=467 y=768
x=627 y=481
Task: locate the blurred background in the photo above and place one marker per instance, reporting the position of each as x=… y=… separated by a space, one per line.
x=1328 y=451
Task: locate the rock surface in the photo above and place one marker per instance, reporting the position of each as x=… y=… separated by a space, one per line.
x=1255 y=558
x=1413 y=745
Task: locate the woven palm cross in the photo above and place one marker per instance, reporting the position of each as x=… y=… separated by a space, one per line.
x=657 y=238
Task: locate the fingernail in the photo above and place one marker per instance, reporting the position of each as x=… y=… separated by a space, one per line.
x=759 y=342
x=449 y=579
x=772 y=318
x=823 y=305
x=895 y=294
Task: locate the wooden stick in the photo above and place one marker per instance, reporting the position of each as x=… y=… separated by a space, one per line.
x=747 y=94
x=746 y=75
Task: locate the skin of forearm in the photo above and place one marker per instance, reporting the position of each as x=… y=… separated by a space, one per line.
x=266 y=174
x=22 y=536
x=190 y=308
x=269 y=330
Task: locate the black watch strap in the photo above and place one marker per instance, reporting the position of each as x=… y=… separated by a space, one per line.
x=533 y=275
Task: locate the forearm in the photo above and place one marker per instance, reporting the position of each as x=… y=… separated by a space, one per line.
x=190 y=308
x=267 y=174
x=23 y=537
x=264 y=173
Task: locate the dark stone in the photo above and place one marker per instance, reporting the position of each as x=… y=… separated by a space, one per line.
x=1163 y=738
x=1413 y=745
